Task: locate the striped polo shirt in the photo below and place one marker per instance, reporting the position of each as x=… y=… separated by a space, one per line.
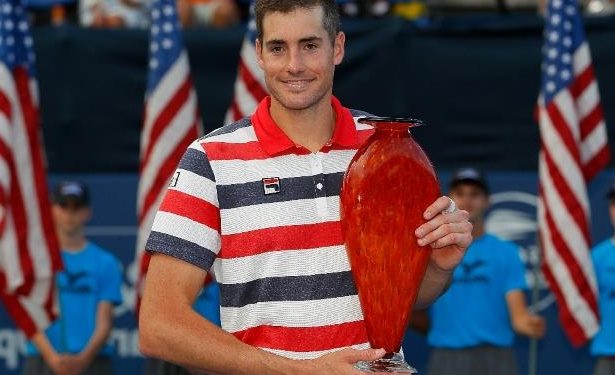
x=264 y=213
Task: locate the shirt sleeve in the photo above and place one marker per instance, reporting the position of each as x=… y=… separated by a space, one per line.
x=515 y=269
x=111 y=283
x=187 y=224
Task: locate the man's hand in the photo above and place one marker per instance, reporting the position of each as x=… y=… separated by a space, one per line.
x=342 y=362
x=449 y=234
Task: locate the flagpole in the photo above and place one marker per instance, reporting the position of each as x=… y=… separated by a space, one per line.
x=532 y=368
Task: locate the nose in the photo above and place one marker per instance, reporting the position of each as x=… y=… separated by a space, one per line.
x=295 y=61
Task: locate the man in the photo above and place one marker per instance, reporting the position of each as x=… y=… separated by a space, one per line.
x=473 y=323
x=259 y=199
x=603 y=258
x=89 y=288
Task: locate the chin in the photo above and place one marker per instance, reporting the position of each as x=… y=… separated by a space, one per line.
x=299 y=102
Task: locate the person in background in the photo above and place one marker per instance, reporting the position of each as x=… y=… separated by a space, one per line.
x=132 y=14
x=89 y=288
x=603 y=258
x=208 y=13
x=473 y=324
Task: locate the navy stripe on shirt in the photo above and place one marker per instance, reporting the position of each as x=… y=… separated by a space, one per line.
x=291 y=189
x=226 y=129
x=180 y=248
x=289 y=288
x=197 y=163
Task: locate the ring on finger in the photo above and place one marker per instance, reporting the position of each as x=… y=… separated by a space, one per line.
x=452 y=207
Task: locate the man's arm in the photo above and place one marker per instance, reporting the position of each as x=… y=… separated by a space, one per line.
x=104 y=323
x=171 y=330
x=521 y=319
x=449 y=235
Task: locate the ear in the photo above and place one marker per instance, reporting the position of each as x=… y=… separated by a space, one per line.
x=338 y=48
x=259 y=53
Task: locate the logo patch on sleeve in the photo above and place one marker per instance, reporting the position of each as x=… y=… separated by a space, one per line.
x=271 y=185
x=173 y=182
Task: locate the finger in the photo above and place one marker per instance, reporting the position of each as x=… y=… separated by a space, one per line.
x=442 y=231
x=353 y=355
x=459 y=216
x=437 y=207
x=462 y=240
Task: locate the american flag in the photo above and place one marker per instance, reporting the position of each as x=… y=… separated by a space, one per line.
x=250 y=86
x=574 y=148
x=29 y=252
x=171 y=120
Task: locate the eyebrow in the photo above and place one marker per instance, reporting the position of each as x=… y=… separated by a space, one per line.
x=275 y=42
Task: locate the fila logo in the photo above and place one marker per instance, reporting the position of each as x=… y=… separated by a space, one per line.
x=271 y=185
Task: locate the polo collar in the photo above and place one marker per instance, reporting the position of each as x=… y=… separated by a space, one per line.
x=275 y=141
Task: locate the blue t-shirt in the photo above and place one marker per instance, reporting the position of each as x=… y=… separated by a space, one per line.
x=474 y=311
x=603 y=257
x=90 y=276
x=208 y=303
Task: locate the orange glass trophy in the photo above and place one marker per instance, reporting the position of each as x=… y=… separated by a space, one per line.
x=387 y=187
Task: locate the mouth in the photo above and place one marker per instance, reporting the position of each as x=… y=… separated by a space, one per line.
x=297 y=84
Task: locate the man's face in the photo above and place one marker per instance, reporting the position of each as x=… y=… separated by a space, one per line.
x=69 y=219
x=298 y=58
x=471 y=198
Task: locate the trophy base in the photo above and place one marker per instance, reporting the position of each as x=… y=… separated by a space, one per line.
x=391 y=362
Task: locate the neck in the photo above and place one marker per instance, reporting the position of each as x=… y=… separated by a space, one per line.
x=478 y=228
x=72 y=242
x=311 y=128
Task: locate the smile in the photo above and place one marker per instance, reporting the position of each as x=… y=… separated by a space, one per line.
x=297 y=83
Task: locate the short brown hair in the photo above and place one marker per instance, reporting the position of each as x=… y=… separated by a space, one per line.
x=330 y=18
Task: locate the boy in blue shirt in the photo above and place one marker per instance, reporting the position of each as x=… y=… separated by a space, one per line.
x=603 y=258
x=474 y=322
x=89 y=288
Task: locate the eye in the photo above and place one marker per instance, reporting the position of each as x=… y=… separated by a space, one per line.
x=311 y=46
x=276 y=49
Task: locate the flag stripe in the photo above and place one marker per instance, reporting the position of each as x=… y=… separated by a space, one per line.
x=167 y=168
x=574 y=330
x=168 y=113
x=249 y=86
x=574 y=310
x=19 y=314
x=597 y=163
x=253 y=86
x=171 y=122
x=568 y=205
x=573 y=149
x=40 y=182
x=592 y=121
x=29 y=252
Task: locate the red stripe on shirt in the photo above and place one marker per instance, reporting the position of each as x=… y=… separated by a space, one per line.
x=191 y=207
x=305 y=339
x=307 y=236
